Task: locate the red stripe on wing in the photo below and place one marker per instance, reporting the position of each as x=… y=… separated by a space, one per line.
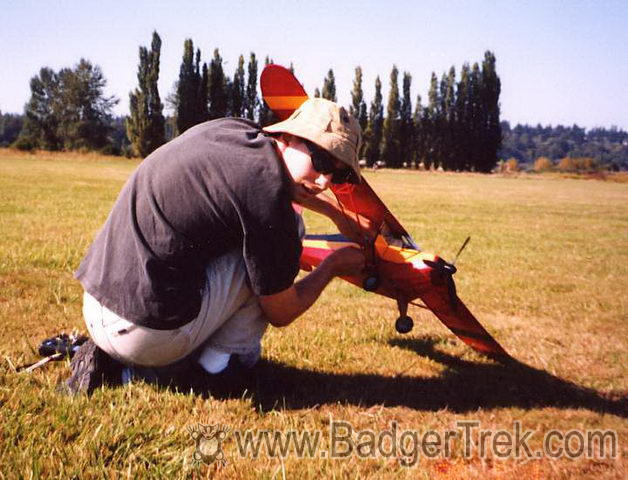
x=461 y=322
x=361 y=201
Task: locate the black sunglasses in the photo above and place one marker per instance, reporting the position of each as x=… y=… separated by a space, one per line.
x=323 y=163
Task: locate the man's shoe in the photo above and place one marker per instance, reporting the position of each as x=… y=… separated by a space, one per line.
x=91 y=368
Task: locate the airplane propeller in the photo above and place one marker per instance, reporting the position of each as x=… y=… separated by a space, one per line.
x=464 y=244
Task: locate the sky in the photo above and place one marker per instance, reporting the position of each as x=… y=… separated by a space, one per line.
x=560 y=62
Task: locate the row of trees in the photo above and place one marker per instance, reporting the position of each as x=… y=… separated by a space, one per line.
x=202 y=92
x=206 y=92
x=525 y=143
x=458 y=128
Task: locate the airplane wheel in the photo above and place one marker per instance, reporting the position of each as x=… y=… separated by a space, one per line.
x=370 y=283
x=404 y=324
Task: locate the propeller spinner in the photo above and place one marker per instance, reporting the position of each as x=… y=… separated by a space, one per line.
x=447 y=270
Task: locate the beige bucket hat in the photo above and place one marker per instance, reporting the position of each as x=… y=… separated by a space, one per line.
x=329 y=126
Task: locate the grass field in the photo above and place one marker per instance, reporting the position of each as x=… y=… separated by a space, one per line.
x=546 y=272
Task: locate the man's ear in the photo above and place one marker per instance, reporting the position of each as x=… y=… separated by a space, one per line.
x=282 y=141
x=286 y=137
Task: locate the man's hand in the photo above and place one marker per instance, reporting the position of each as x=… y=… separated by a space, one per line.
x=351 y=227
x=347 y=261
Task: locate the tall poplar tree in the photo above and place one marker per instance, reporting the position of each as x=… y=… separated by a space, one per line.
x=432 y=123
x=406 y=123
x=464 y=118
x=390 y=150
x=188 y=88
x=373 y=135
x=329 y=86
x=145 y=126
x=476 y=129
x=448 y=120
x=229 y=96
x=490 y=90
x=250 y=100
x=217 y=88
x=202 y=93
x=237 y=90
x=419 y=135
x=358 y=105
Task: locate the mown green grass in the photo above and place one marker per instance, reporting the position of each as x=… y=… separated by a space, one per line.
x=546 y=272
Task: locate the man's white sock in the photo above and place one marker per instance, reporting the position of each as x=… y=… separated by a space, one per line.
x=214 y=361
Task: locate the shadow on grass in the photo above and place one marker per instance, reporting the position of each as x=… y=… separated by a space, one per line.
x=464 y=386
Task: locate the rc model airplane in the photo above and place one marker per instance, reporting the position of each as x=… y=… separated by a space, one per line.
x=396 y=266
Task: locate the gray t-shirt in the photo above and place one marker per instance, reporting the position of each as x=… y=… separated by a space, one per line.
x=219 y=186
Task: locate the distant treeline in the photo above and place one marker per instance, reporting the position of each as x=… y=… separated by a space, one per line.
x=458 y=129
x=606 y=147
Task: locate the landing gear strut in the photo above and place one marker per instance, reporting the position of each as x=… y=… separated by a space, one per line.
x=404 y=323
x=371 y=280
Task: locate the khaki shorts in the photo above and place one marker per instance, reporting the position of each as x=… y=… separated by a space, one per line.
x=230 y=320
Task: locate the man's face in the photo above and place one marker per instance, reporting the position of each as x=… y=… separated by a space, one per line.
x=307 y=181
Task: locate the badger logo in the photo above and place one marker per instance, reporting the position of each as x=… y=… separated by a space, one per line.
x=208 y=442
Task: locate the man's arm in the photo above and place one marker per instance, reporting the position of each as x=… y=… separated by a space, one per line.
x=345 y=221
x=284 y=307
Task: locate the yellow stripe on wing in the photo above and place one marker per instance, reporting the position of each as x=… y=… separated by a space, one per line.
x=389 y=253
x=327 y=244
x=285 y=102
x=394 y=254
